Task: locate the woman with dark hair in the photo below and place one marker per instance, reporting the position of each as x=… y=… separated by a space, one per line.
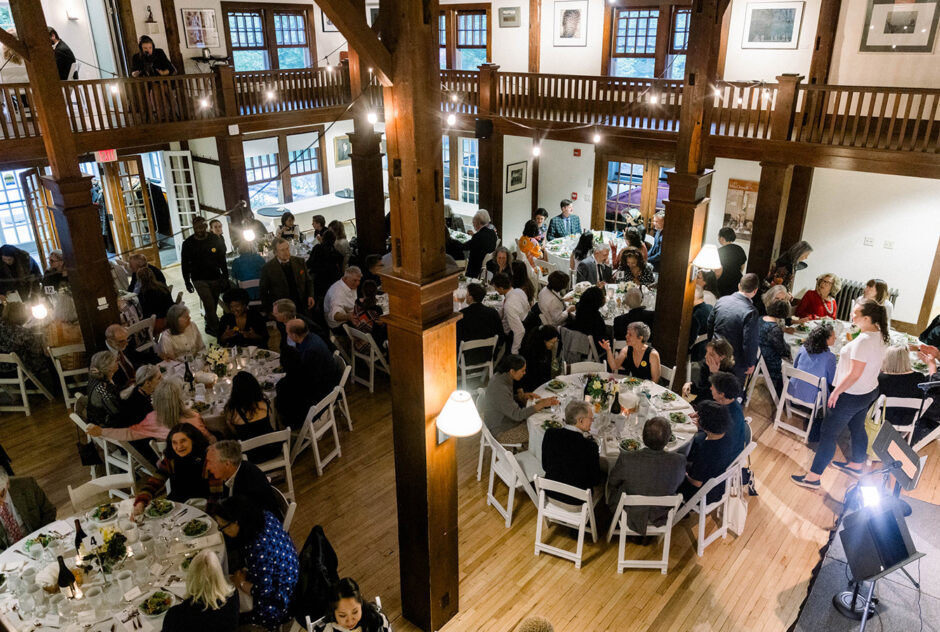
x=182 y=465
x=638 y=359
x=520 y=279
x=241 y=325
x=856 y=388
x=706 y=280
x=719 y=356
x=342 y=244
x=529 y=244
x=270 y=564
x=588 y=319
x=788 y=264
x=154 y=297
x=248 y=415
x=288 y=230
x=815 y=358
x=150 y=61
x=325 y=264
x=367 y=315
x=773 y=348
x=499 y=263
x=552 y=307
x=541 y=221
x=633 y=268
x=19 y=272
x=633 y=239
x=538 y=350
x=582 y=249
x=349 y=612
x=877 y=290
x=505 y=412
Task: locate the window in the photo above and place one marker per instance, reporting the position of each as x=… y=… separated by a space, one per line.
x=445 y=147
x=305 y=178
x=634 y=53
x=678 y=43
x=469 y=170
x=465 y=34
x=634 y=189
x=268 y=38
x=285 y=167
x=15 y=228
x=647 y=42
x=263 y=189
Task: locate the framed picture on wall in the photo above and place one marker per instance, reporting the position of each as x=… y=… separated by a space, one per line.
x=570 y=17
x=892 y=26
x=772 y=24
x=201 y=27
x=328 y=26
x=510 y=17
x=516 y=176
x=342 y=149
x=372 y=13
x=740 y=206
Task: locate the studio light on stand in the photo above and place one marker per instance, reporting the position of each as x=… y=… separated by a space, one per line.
x=458 y=418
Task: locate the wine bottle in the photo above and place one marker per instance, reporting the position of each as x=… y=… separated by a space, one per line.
x=615 y=407
x=188 y=376
x=66 y=579
x=80 y=535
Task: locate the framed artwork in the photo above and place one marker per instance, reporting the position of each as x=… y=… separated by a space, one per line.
x=772 y=24
x=740 y=206
x=201 y=27
x=571 y=25
x=342 y=149
x=372 y=13
x=328 y=26
x=516 y=176
x=893 y=26
x=510 y=17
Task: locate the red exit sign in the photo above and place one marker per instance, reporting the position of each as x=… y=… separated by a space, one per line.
x=577 y=153
x=106 y=155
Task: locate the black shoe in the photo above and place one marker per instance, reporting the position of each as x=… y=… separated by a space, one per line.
x=800 y=479
x=844 y=466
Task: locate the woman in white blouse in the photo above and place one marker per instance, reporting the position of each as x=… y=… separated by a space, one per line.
x=181 y=336
x=877 y=290
x=552 y=306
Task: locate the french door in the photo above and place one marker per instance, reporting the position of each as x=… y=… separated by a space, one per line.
x=128 y=201
x=39 y=207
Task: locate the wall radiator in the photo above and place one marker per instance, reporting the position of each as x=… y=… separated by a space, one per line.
x=850 y=291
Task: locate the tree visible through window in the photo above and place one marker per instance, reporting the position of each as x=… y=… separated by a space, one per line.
x=469 y=170
x=648 y=42
x=305 y=174
x=464 y=36
x=268 y=37
x=263 y=189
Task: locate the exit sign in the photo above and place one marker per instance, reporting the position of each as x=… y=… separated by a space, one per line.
x=106 y=155
x=577 y=153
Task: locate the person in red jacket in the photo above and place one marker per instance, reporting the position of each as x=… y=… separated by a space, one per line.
x=821 y=302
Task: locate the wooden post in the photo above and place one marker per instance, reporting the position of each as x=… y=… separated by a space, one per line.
x=229 y=147
x=491 y=148
x=535 y=34
x=76 y=218
x=771 y=206
x=781 y=120
x=825 y=41
x=171 y=28
x=797 y=205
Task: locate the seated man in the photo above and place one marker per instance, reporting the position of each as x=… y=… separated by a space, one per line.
x=24 y=508
x=725 y=391
x=711 y=453
x=134 y=263
x=649 y=471
x=340 y=299
x=637 y=313
x=230 y=475
x=116 y=341
x=570 y=455
x=316 y=360
x=594 y=268
x=285 y=310
x=478 y=322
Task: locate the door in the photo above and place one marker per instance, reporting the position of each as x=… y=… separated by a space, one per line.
x=181 y=194
x=132 y=224
x=39 y=207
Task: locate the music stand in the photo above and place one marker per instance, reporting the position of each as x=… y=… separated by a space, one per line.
x=905 y=464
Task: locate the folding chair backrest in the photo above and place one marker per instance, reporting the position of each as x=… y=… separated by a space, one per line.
x=78 y=375
x=486 y=259
x=587 y=367
x=911 y=403
x=577 y=346
x=287 y=507
x=543 y=485
x=373 y=347
x=667 y=374
x=481 y=343
x=141 y=333
x=280 y=437
x=325 y=403
x=93 y=492
x=792 y=373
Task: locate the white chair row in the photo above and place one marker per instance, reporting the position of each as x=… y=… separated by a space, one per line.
x=73 y=381
x=22 y=380
x=372 y=355
x=478 y=369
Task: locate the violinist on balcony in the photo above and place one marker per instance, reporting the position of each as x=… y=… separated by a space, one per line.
x=150 y=61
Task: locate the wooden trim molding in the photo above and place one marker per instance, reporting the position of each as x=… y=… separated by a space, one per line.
x=535 y=36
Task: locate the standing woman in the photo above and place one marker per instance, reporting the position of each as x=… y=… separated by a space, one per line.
x=288 y=230
x=638 y=359
x=788 y=264
x=856 y=388
x=155 y=299
x=821 y=302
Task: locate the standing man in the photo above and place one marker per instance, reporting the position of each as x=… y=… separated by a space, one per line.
x=567 y=223
x=732 y=259
x=736 y=320
x=481 y=244
x=205 y=272
x=285 y=276
x=64 y=57
x=656 y=250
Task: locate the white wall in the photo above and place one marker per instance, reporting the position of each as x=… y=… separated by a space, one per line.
x=76 y=33
x=340 y=177
x=743 y=64
x=561 y=173
x=726 y=169
x=572 y=60
x=208 y=177
x=517 y=206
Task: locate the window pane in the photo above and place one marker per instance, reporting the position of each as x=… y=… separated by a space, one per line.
x=304 y=161
x=250 y=60
x=445 y=145
x=676 y=66
x=469 y=171
x=15 y=228
x=306 y=186
x=680 y=29
x=470 y=58
x=264 y=194
x=443 y=58
x=624 y=194
x=289 y=29
x=643 y=67
x=245 y=29
x=635 y=31
x=292 y=57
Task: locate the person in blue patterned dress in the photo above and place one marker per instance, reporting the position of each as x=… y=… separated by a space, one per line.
x=270 y=565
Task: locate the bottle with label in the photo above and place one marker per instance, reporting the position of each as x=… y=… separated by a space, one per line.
x=66 y=579
x=615 y=406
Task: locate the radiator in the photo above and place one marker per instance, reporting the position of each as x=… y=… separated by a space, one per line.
x=850 y=291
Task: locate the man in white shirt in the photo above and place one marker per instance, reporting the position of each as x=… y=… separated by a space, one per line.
x=515 y=309
x=341 y=298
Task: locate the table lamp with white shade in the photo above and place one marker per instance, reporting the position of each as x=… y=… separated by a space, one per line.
x=706 y=259
x=459 y=417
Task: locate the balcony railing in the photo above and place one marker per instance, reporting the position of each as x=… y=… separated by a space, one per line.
x=269 y=91
x=743 y=109
x=460 y=91
x=16 y=103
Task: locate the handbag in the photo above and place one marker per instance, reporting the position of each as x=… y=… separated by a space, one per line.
x=873 y=425
x=737 y=508
x=88 y=452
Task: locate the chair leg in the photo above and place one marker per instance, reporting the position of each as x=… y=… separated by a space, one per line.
x=480 y=462
x=577 y=563
x=339 y=450
x=316 y=453
x=701 y=532
x=538 y=531
x=621 y=551
x=371 y=376
x=345 y=408
x=509 y=504
x=666 y=541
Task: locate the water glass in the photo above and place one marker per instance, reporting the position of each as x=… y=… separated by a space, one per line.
x=28 y=578
x=146 y=543
x=142 y=568
x=93 y=597
x=125 y=580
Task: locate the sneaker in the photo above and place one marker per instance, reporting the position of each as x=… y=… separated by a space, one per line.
x=845 y=467
x=800 y=479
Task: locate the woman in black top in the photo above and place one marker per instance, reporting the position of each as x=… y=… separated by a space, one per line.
x=150 y=61
x=348 y=611
x=787 y=264
x=719 y=356
x=537 y=349
x=241 y=326
x=325 y=264
x=183 y=464
x=587 y=316
x=898 y=379
x=248 y=415
x=583 y=248
x=520 y=279
x=104 y=399
x=499 y=262
x=154 y=298
x=211 y=604
x=638 y=359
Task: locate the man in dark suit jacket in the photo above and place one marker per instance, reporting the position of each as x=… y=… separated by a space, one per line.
x=138 y=261
x=478 y=322
x=286 y=276
x=238 y=477
x=569 y=455
x=567 y=223
x=24 y=508
x=64 y=57
x=736 y=320
x=655 y=252
x=284 y=311
x=650 y=471
x=594 y=267
x=637 y=313
x=481 y=244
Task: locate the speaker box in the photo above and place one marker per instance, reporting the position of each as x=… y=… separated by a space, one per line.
x=484 y=128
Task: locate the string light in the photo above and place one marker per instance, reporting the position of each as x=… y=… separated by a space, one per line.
x=114 y=89
x=40 y=311
x=537 y=150
x=329 y=68
x=372 y=117
x=370 y=70
x=451 y=120
x=203 y=103
x=270 y=95
x=597 y=138
x=654 y=99
x=453 y=98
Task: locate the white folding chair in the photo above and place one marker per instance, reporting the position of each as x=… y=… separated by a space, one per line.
x=343 y=402
x=320 y=420
x=577 y=347
x=373 y=356
x=79 y=376
x=158 y=447
x=282 y=462
x=667 y=373
x=587 y=367
x=792 y=406
x=760 y=371
x=620 y=526
x=287 y=508
x=889 y=404
x=486 y=259
x=141 y=333
x=688 y=363
x=92 y=493
x=486 y=437
x=579 y=516
x=22 y=375
x=78 y=417
x=481 y=368
x=249 y=285
x=516 y=471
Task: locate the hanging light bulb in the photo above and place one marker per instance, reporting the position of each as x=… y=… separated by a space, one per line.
x=654 y=99
x=248 y=234
x=453 y=98
x=451 y=120
x=39 y=311
x=372 y=117
x=597 y=137
x=270 y=95
x=329 y=68
x=203 y=103
x=537 y=150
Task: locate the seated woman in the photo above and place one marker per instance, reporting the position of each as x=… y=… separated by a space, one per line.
x=270 y=565
x=248 y=415
x=211 y=604
x=552 y=307
x=815 y=358
x=499 y=263
x=587 y=316
x=773 y=347
x=821 y=302
x=706 y=280
x=183 y=465
x=638 y=359
x=719 y=356
x=877 y=290
x=538 y=350
x=181 y=337
x=348 y=611
x=582 y=249
x=520 y=279
x=136 y=401
x=633 y=268
x=503 y=414
x=56 y=275
x=104 y=399
x=367 y=315
x=242 y=325
x=154 y=297
x=288 y=230
x=529 y=244
x=898 y=379
x=16 y=337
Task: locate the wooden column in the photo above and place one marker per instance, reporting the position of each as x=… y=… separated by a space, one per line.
x=128 y=34
x=422 y=345
x=76 y=218
x=229 y=147
x=825 y=41
x=535 y=34
x=171 y=28
x=800 y=186
x=769 y=213
x=491 y=148
x=781 y=119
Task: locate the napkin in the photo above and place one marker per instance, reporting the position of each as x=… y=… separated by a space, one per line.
x=677 y=404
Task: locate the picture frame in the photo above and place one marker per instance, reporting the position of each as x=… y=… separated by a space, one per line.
x=900 y=27
x=327 y=24
x=372 y=13
x=570 y=23
x=510 y=17
x=516 y=176
x=342 y=150
x=201 y=28
x=772 y=24
x=740 y=207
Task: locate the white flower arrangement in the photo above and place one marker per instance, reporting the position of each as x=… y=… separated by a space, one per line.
x=217 y=360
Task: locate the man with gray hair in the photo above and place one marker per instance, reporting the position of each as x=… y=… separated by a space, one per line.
x=285 y=311
x=341 y=298
x=116 y=341
x=136 y=262
x=230 y=475
x=480 y=244
x=570 y=455
x=24 y=508
x=286 y=276
x=637 y=313
x=594 y=268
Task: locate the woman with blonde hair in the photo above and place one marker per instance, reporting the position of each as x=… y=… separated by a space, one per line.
x=210 y=604
x=899 y=379
x=104 y=399
x=820 y=302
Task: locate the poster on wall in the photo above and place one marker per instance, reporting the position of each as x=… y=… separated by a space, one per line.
x=571 y=23
x=740 y=206
x=772 y=24
x=900 y=26
x=342 y=150
x=328 y=26
x=510 y=17
x=516 y=176
x=202 y=28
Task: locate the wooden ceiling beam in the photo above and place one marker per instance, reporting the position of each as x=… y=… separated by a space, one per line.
x=351 y=22
x=13 y=43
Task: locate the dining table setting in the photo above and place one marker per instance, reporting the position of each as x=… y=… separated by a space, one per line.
x=795 y=336
x=559 y=250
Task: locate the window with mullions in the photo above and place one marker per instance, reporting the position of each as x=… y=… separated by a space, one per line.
x=471 y=39
x=268 y=37
x=261 y=172
x=634 y=47
x=678 y=43
x=306 y=180
x=442 y=38
x=445 y=146
x=15 y=228
x=290 y=33
x=469 y=170
x=249 y=49
x=624 y=194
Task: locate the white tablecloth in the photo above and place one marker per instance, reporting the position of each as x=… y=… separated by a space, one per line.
x=559 y=250
x=841 y=327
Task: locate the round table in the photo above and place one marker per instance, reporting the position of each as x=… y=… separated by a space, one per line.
x=159 y=570
x=615 y=294
x=493 y=298
x=841 y=327
x=559 y=249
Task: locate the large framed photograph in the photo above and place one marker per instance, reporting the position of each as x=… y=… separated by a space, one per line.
x=571 y=24
x=201 y=27
x=893 y=26
x=516 y=174
x=740 y=206
x=328 y=26
x=772 y=24
x=342 y=149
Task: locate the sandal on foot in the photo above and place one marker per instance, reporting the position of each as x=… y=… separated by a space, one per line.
x=800 y=479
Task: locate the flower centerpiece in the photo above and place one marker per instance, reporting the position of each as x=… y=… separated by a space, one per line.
x=217 y=360
x=599 y=389
x=110 y=553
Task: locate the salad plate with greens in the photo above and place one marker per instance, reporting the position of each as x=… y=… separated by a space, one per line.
x=159 y=507
x=630 y=445
x=105 y=512
x=156 y=604
x=195 y=528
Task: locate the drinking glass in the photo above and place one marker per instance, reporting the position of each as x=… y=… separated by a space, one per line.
x=125 y=580
x=142 y=568
x=93 y=597
x=28 y=578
